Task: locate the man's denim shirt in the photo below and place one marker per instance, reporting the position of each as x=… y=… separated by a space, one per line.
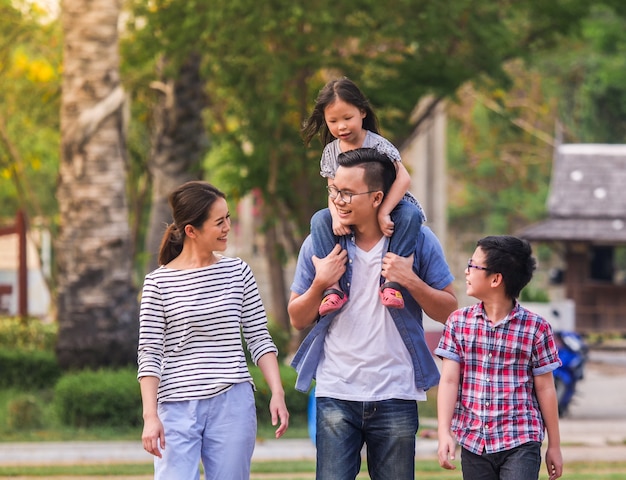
x=430 y=265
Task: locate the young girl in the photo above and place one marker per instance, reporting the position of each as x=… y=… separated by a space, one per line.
x=345 y=120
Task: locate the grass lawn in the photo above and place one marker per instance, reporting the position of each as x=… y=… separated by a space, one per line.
x=288 y=470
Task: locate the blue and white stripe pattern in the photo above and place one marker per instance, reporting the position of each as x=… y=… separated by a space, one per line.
x=190 y=328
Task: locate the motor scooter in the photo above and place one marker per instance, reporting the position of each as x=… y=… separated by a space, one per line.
x=573 y=352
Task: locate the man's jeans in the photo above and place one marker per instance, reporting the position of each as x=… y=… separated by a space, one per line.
x=520 y=463
x=388 y=428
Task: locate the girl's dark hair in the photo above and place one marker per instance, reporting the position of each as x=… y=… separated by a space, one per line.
x=343 y=89
x=512 y=258
x=380 y=172
x=190 y=204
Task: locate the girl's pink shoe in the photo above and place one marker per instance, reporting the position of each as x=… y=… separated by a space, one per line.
x=333 y=300
x=391 y=296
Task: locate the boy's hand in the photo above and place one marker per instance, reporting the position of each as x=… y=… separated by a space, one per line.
x=386 y=224
x=445 y=451
x=554 y=461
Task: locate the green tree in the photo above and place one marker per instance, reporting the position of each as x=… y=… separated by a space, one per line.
x=30 y=56
x=265 y=61
x=587 y=76
x=502 y=139
x=500 y=153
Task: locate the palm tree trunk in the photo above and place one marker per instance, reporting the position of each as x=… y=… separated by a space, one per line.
x=178 y=144
x=97 y=303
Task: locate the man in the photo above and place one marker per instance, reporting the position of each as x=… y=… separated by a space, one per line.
x=371 y=363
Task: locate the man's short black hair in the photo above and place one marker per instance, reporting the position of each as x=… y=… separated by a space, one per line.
x=380 y=172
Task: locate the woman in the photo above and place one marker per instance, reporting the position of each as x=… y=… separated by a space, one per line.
x=197 y=392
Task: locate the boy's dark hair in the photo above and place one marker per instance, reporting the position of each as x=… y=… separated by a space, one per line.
x=380 y=172
x=512 y=258
x=344 y=89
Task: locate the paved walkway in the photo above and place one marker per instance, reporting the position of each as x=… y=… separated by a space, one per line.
x=594 y=429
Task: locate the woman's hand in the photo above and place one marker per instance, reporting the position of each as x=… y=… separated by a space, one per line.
x=153 y=436
x=278 y=410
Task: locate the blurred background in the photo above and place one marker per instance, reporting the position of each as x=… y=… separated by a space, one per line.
x=510 y=116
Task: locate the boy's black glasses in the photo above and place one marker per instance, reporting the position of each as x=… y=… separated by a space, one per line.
x=471 y=265
x=334 y=192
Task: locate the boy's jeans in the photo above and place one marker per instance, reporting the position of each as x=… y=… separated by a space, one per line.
x=520 y=463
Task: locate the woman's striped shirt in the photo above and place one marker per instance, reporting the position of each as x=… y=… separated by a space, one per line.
x=190 y=326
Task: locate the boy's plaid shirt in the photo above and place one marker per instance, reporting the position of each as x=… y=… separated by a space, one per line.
x=496 y=406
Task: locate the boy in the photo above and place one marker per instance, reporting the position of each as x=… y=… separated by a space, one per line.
x=496 y=392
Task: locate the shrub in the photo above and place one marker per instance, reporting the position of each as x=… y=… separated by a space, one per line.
x=27 y=334
x=296 y=401
x=97 y=398
x=28 y=369
x=530 y=294
x=280 y=336
x=24 y=413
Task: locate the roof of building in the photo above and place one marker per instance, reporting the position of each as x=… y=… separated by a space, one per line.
x=587 y=199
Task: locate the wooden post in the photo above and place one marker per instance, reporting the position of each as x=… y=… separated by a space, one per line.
x=22 y=275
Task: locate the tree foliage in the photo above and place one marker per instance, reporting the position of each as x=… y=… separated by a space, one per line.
x=501 y=140
x=30 y=57
x=264 y=63
x=586 y=73
x=498 y=186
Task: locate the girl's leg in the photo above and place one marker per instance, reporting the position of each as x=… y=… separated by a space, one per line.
x=324 y=241
x=407 y=220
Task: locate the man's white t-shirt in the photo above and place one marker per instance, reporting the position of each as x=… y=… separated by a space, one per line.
x=364 y=357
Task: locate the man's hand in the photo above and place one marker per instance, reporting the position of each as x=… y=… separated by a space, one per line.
x=397 y=269
x=303 y=309
x=436 y=303
x=329 y=269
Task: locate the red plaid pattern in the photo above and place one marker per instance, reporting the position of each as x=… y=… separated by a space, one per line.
x=497 y=409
